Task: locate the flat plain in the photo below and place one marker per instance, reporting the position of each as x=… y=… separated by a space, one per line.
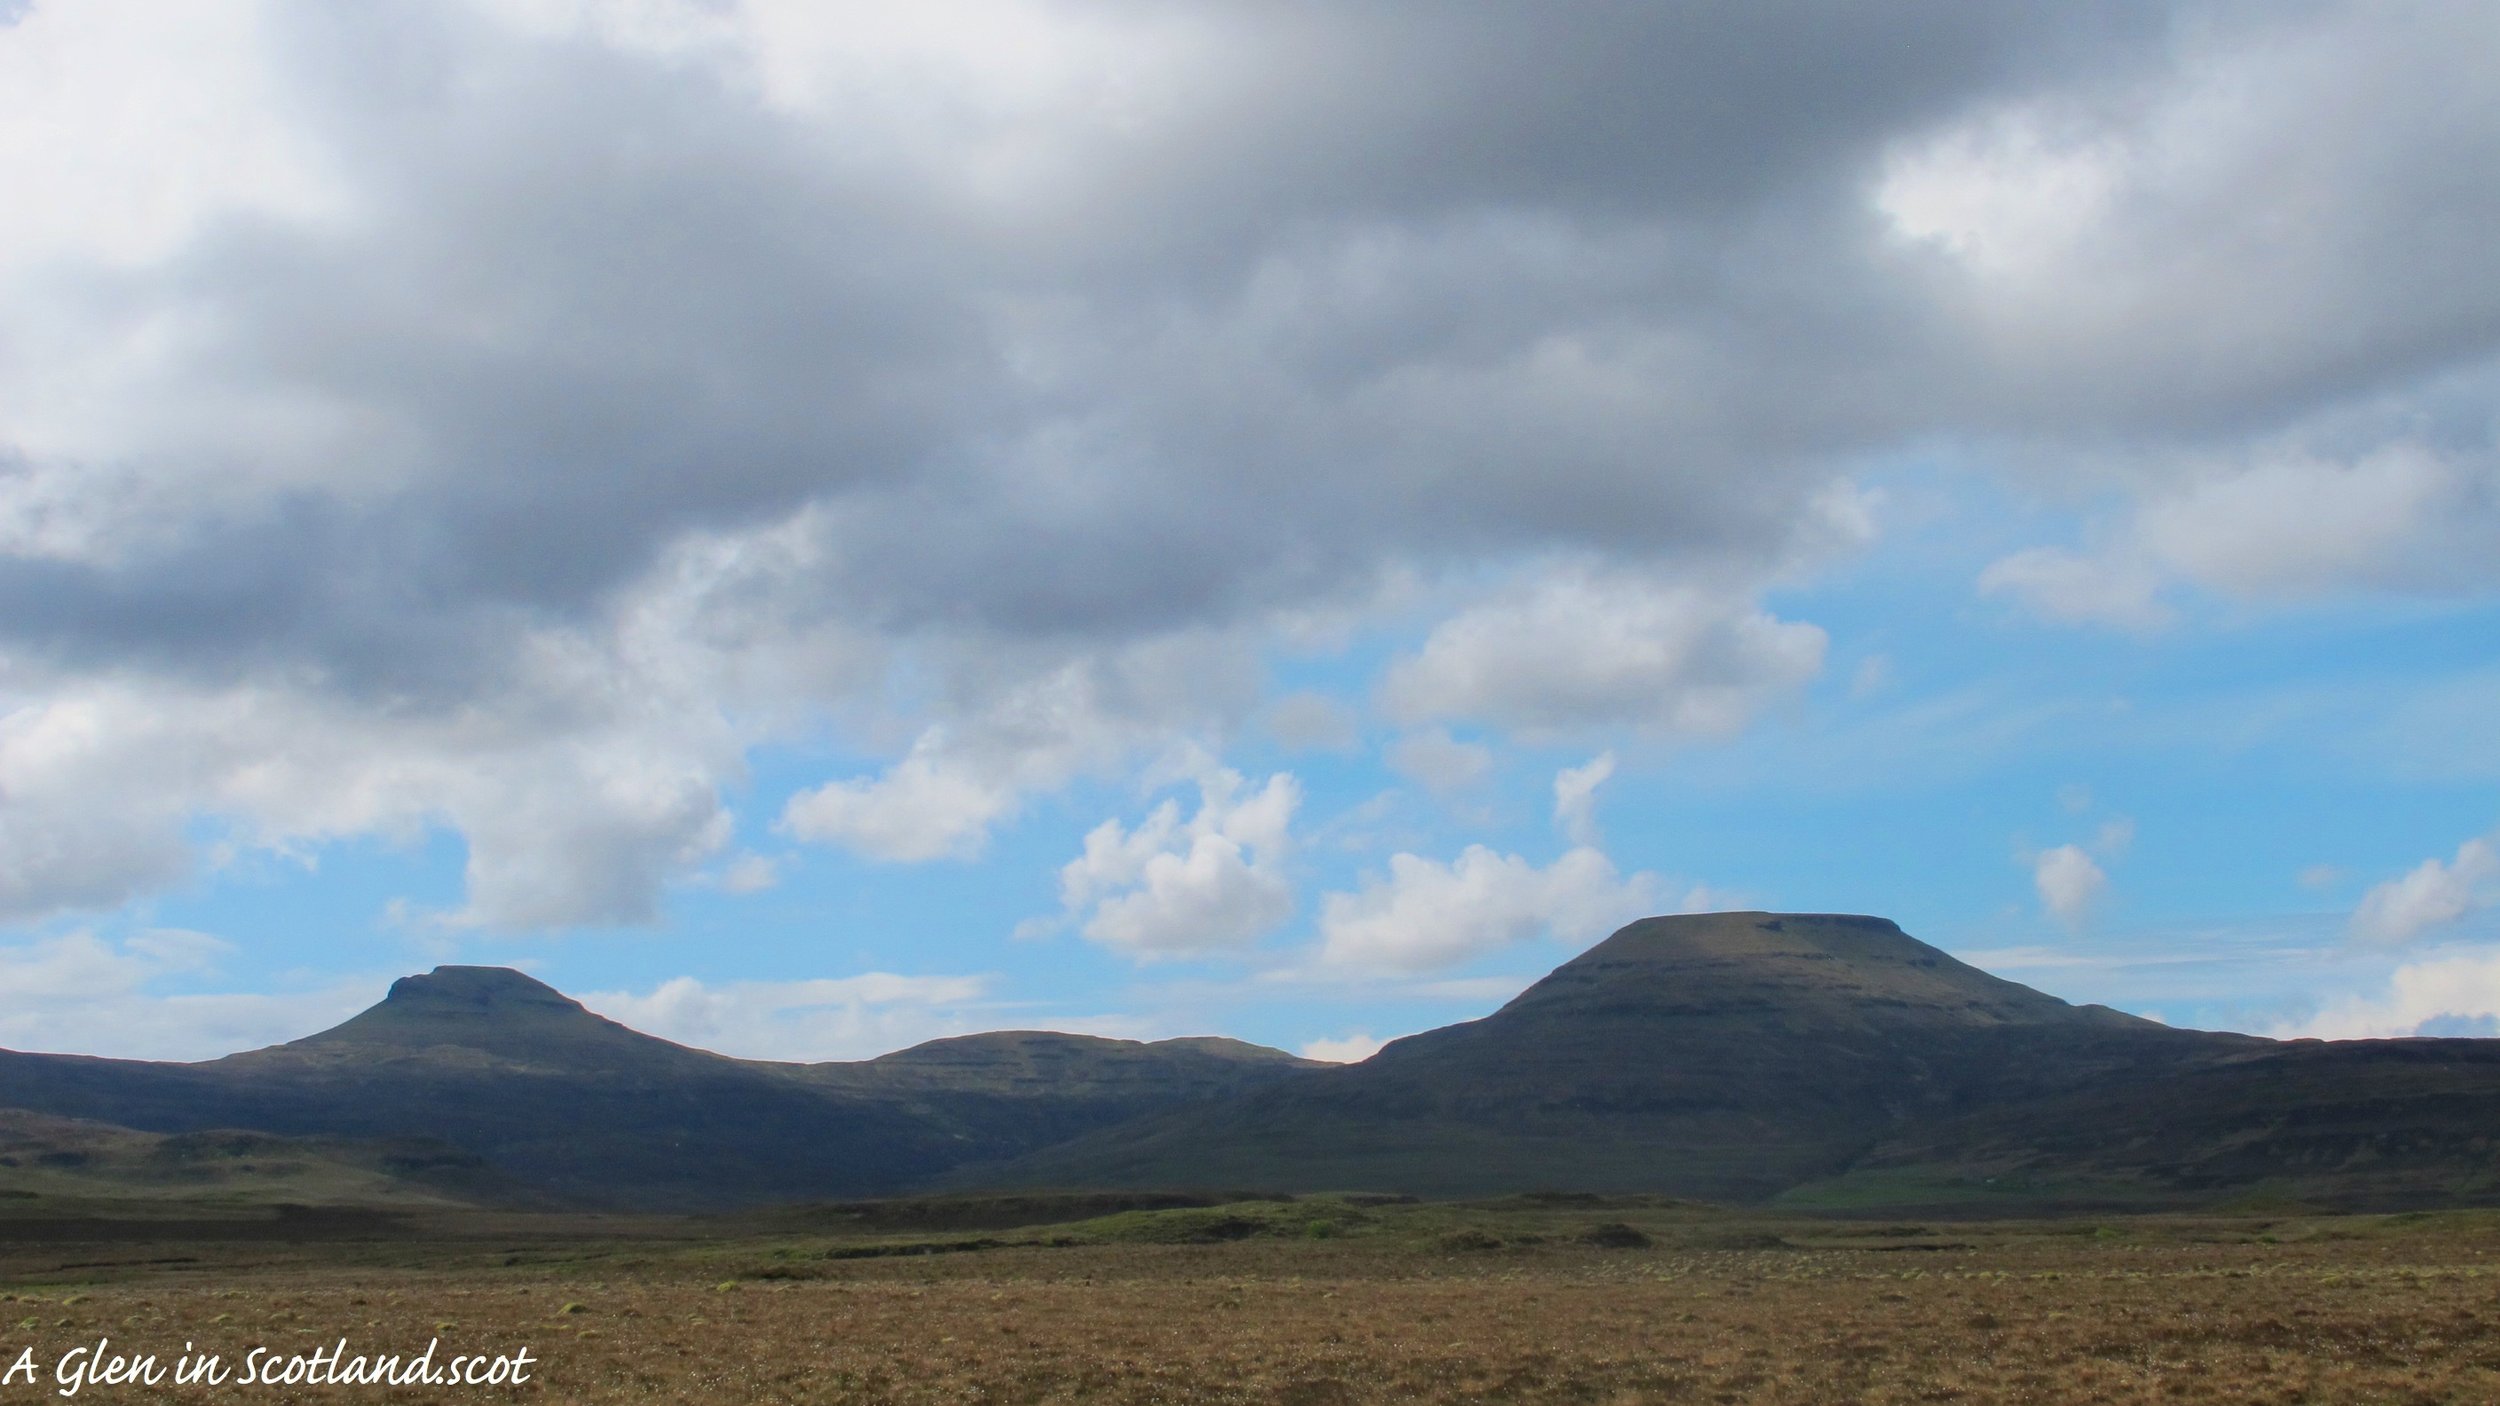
x=1308 y=1301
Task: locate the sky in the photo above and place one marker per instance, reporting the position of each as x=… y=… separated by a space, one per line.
x=815 y=526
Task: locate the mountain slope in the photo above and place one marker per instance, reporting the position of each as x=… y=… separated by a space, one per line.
x=46 y=1162
x=1008 y=1092
x=508 y=1069
x=2382 y=1123
x=1721 y=1055
x=491 y=1014
x=1737 y=1056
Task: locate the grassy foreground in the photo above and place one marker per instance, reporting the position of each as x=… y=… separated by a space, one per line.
x=1316 y=1300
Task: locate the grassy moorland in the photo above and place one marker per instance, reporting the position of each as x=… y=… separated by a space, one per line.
x=1314 y=1300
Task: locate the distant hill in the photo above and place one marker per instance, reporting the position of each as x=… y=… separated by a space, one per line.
x=1746 y=1055
x=2352 y=1123
x=509 y=1069
x=52 y=1161
x=1820 y=1060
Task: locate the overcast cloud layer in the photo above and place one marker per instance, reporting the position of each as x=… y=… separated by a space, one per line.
x=505 y=418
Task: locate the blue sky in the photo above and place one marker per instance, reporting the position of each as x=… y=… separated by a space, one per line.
x=815 y=528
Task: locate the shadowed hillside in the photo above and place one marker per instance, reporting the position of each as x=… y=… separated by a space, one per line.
x=51 y=1161
x=1826 y=1060
x=1739 y=1055
x=511 y=1070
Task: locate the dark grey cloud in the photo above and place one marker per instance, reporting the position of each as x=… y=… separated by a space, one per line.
x=585 y=300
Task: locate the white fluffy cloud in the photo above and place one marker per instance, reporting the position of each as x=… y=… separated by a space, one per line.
x=2432 y=896
x=2457 y=994
x=77 y=993
x=1425 y=915
x=2078 y=588
x=2008 y=195
x=2069 y=877
x=585 y=779
x=1349 y=1049
x=929 y=805
x=2292 y=520
x=182 y=133
x=2070 y=883
x=1575 y=650
x=1575 y=798
x=960 y=779
x=851 y=1017
x=1215 y=882
x=2402 y=515
x=576 y=812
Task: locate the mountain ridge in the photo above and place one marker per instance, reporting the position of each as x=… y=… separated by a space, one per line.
x=583 y=1108
x=1740 y=1056
x=1733 y=1056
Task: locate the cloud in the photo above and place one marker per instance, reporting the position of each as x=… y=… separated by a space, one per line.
x=1173 y=888
x=2078 y=589
x=748 y=873
x=2432 y=896
x=215 y=149
x=2400 y=515
x=2295 y=519
x=2008 y=196
x=579 y=806
x=534 y=410
x=1312 y=722
x=1349 y=1049
x=826 y=1018
x=63 y=853
x=927 y=806
x=2115 y=837
x=1440 y=763
x=1574 y=650
x=2070 y=883
x=2070 y=878
x=77 y=993
x=2005 y=959
x=1425 y=915
x=1033 y=733
x=2457 y=994
x=1575 y=798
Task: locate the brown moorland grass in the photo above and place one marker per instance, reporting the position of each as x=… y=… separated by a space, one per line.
x=1390 y=1305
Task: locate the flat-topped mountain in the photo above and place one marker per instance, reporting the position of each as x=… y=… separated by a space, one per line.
x=489 y=1014
x=1742 y=1055
x=1726 y=1055
x=1803 y=973
x=474 y=1006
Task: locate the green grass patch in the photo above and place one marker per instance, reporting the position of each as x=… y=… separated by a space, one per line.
x=1310 y=1218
